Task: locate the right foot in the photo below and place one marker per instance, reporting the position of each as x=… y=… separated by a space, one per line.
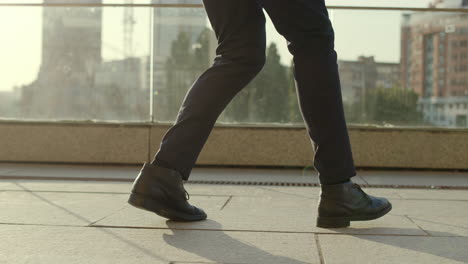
x=341 y=203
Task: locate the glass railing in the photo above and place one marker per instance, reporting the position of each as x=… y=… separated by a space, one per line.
x=401 y=64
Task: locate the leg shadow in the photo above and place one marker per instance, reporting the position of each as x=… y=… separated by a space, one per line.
x=219 y=247
x=441 y=244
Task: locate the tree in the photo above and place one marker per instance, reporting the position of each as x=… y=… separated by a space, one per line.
x=295 y=115
x=271 y=89
x=395 y=106
x=267 y=99
x=182 y=68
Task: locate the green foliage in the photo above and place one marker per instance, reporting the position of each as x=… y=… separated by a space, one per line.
x=270 y=97
x=271 y=89
x=382 y=106
x=187 y=62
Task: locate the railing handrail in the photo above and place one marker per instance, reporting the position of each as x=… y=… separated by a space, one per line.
x=388 y=8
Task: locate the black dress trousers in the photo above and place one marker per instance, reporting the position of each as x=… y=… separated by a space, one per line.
x=239 y=26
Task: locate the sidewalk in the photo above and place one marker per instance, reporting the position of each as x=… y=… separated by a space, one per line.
x=69 y=221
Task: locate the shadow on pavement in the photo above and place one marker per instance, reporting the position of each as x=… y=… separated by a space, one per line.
x=454 y=248
x=220 y=247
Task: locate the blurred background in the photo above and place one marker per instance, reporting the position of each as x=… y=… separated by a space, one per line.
x=403 y=65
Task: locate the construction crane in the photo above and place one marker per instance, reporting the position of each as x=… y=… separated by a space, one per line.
x=128 y=24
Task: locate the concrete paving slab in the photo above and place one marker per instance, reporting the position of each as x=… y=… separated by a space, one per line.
x=416 y=178
x=75 y=208
x=295 y=215
x=442 y=225
x=76 y=186
x=436 y=216
x=431 y=194
x=6 y=185
x=38 y=244
x=84 y=206
x=269 y=214
x=430 y=208
x=26 y=208
x=393 y=249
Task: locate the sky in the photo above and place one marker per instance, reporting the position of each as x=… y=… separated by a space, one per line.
x=375 y=33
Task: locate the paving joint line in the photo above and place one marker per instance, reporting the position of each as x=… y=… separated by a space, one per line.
x=227 y=201
x=319 y=249
x=363 y=179
x=50 y=203
x=104 y=217
x=425 y=220
x=411 y=220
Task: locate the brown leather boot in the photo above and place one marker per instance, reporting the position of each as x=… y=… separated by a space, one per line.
x=341 y=203
x=161 y=190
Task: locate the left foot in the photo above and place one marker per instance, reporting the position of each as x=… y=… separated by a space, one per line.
x=160 y=190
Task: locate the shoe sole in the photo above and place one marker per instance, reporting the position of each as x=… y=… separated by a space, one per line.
x=337 y=222
x=148 y=204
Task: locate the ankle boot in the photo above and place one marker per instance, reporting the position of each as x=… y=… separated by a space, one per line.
x=341 y=203
x=161 y=190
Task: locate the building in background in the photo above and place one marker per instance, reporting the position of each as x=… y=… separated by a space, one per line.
x=122 y=89
x=71 y=56
x=365 y=73
x=74 y=82
x=434 y=62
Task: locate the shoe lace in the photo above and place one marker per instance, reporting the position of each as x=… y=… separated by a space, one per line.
x=187 y=195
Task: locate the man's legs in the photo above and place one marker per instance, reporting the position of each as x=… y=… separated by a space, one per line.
x=306 y=26
x=240 y=29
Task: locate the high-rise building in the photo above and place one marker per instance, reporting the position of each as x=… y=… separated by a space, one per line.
x=434 y=62
x=71 y=55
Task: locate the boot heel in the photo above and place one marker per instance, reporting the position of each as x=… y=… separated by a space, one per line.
x=331 y=222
